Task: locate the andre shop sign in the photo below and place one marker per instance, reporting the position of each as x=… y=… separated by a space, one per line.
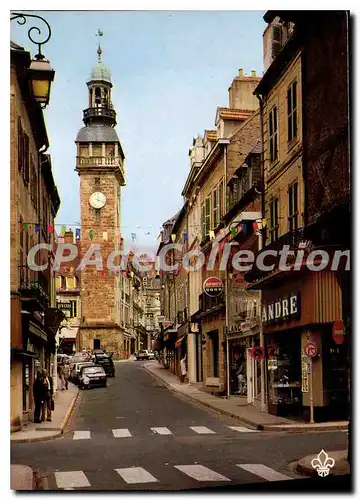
x=282 y=309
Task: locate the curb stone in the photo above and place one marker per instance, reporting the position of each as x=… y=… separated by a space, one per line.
x=257 y=427
x=250 y=424
x=57 y=434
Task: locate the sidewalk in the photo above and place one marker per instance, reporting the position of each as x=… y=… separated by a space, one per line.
x=236 y=407
x=64 y=404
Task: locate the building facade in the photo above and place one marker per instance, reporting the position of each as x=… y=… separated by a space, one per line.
x=68 y=285
x=99 y=163
x=34 y=205
x=300 y=302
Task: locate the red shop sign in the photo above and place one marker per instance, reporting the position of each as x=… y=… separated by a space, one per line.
x=338 y=332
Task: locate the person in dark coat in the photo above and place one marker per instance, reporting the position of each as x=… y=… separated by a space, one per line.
x=39 y=397
x=49 y=393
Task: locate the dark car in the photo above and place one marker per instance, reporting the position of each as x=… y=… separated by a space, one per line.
x=107 y=363
x=92 y=376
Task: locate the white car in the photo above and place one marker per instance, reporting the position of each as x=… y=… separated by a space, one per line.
x=141 y=355
x=151 y=355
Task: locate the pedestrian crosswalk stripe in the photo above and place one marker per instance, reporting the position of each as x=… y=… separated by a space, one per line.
x=161 y=430
x=135 y=475
x=242 y=429
x=71 y=479
x=82 y=435
x=121 y=433
x=263 y=471
x=201 y=473
x=202 y=430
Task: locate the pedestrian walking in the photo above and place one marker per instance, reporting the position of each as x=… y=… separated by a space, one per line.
x=66 y=375
x=60 y=370
x=39 y=397
x=183 y=368
x=241 y=380
x=49 y=394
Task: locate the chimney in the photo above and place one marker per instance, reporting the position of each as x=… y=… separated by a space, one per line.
x=69 y=237
x=241 y=72
x=253 y=74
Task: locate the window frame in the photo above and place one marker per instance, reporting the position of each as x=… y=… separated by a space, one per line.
x=292 y=125
x=273 y=134
x=293 y=206
x=274 y=219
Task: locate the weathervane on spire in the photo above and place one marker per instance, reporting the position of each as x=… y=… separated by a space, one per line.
x=99 y=51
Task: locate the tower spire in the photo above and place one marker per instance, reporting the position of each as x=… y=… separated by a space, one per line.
x=99 y=51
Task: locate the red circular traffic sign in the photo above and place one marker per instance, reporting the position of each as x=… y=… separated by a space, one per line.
x=310 y=350
x=257 y=352
x=213 y=286
x=338 y=332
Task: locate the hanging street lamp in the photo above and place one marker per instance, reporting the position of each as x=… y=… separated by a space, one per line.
x=41 y=74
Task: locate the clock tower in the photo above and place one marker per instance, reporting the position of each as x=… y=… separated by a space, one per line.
x=99 y=163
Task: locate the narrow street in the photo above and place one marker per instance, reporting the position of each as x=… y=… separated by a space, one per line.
x=137 y=435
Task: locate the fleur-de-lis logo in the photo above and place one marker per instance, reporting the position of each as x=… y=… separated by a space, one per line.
x=323 y=463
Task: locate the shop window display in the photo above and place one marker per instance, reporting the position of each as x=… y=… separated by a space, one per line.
x=238 y=369
x=284 y=373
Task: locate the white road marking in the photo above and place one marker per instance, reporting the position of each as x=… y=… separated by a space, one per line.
x=82 y=435
x=121 y=433
x=71 y=479
x=201 y=473
x=135 y=475
x=263 y=471
x=242 y=429
x=202 y=430
x=161 y=430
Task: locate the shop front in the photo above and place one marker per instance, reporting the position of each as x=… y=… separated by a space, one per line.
x=244 y=370
x=169 y=339
x=302 y=357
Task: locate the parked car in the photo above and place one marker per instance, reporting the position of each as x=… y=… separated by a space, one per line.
x=151 y=355
x=141 y=355
x=92 y=376
x=105 y=360
x=76 y=368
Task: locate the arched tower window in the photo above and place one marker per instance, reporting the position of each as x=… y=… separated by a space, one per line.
x=97 y=96
x=106 y=98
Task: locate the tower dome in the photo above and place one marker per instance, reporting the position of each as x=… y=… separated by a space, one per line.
x=100 y=73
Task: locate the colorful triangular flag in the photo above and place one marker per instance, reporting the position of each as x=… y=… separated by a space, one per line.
x=37 y=228
x=91 y=234
x=50 y=228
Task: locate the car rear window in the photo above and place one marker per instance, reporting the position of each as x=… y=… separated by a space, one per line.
x=93 y=369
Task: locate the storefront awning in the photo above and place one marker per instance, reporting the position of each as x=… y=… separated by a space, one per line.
x=179 y=341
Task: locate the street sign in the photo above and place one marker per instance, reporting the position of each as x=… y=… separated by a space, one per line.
x=213 y=286
x=257 y=353
x=310 y=350
x=338 y=332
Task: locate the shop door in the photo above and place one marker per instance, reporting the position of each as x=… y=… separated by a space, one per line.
x=251 y=377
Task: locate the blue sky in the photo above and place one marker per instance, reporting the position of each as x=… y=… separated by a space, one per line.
x=170 y=71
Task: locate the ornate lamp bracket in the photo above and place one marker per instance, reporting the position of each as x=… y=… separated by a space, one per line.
x=21 y=19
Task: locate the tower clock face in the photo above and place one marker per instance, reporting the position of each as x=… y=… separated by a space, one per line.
x=97 y=200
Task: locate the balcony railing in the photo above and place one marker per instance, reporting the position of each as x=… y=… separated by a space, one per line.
x=291 y=239
x=100 y=161
x=34 y=287
x=100 y=111
x=207 y=303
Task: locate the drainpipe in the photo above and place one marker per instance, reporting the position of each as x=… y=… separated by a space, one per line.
x=260 y=246
x=226 y=286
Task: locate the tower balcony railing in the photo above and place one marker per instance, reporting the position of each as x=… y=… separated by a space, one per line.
x=99 y=111
x=100 y=161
